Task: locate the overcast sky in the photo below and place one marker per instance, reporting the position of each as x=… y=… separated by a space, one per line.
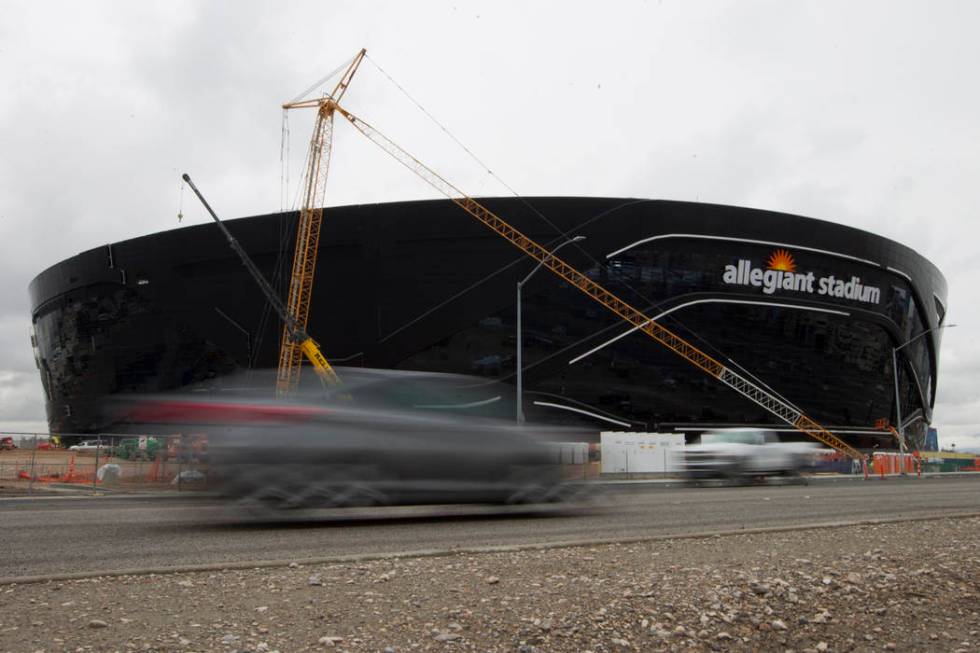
x=862 y=113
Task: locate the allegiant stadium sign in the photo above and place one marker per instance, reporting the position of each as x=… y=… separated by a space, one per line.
x=781 y=274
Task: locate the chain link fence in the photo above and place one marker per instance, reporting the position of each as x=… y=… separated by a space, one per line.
x=32 y=461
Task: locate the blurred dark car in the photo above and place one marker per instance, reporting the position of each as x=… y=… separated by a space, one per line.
x=383 y=437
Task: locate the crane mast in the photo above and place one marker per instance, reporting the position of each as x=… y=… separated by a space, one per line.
x=291 y=350
x=782 y=409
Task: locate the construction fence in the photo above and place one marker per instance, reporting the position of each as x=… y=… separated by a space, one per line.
x=180 y=462
x=107 y=461
x=31 y=461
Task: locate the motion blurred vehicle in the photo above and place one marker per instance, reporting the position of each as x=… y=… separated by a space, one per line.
x=7 y=443
x=741 y=454
x=382 y=437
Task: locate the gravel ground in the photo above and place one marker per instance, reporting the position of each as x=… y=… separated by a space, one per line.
x=908 y=586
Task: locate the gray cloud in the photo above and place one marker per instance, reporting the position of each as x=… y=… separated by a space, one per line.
x=861 y=114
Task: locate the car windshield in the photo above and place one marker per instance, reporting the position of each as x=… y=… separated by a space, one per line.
x=733 y=437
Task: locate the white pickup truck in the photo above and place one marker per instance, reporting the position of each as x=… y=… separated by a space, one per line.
x=91 y=447
x=744 y=453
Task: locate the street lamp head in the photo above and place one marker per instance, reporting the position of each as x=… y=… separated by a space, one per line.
x=578 y=238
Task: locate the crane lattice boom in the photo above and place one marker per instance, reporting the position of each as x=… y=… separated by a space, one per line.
x=780 y=408
x=292 y=349
x=305 y=255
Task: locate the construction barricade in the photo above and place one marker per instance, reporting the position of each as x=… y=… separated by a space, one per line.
x=121 y=462
x=890 y=463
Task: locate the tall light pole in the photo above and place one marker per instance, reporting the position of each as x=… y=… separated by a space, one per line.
x=520 y=348
x=898 y=399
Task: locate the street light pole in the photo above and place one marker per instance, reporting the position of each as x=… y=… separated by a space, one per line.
x=898 y=414
x=520 y=348
x=898 y=400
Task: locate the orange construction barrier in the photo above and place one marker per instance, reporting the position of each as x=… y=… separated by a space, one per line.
x=153 y=475
x=975 y=467
x=895 y=463
x=71 y=476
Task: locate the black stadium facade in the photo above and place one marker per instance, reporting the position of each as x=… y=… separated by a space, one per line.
x=810 y=308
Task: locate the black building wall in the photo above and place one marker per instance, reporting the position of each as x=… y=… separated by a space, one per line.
x=421 y=285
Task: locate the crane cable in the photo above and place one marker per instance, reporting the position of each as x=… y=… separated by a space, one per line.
x=477 y=159
x=284 y=154
x=562 y=234
x=323 y=80
x=180 y=205
x=447 y=132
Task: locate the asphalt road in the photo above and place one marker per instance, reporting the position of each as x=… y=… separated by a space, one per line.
x=72 y=535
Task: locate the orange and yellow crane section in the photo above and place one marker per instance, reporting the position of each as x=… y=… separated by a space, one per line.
x=291 y=349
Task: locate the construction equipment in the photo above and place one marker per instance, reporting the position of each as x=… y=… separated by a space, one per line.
x=308 y=234
x=641 y=322
x=297 y=331
x=296 y=341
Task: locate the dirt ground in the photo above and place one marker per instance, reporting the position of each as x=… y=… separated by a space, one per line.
x=909 y=587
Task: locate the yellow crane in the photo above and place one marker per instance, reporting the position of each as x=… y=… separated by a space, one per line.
x=633 y=316
x=292 y=349
x=295 y=341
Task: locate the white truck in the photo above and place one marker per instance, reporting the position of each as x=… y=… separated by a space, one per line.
x=740 y=454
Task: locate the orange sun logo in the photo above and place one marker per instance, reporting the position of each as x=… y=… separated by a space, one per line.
x=782 y=260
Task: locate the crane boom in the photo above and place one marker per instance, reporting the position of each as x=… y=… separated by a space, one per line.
x=297 y=333
x=301 y=277
x=747 y=388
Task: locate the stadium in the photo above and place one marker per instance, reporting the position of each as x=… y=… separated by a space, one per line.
x=811 y=310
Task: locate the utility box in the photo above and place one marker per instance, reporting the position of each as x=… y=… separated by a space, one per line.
x=630 y=453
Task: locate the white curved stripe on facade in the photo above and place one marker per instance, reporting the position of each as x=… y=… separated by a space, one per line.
x=702 y=301
x=744 y=240
x=472 y=404
x=582 y=412
x=898 y=272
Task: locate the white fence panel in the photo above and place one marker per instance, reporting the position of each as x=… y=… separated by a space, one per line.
x=625 y=452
